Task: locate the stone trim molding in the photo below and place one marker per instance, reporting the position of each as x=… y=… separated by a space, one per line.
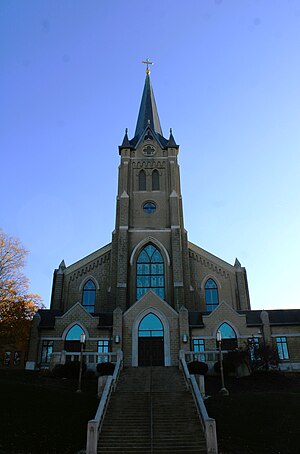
x=135 y=334
x=67 y=329
x=149 y=239
x=214 y=278
x=229 y=322
x=87 y=278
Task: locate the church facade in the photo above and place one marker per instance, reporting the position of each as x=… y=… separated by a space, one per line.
x=150 y=292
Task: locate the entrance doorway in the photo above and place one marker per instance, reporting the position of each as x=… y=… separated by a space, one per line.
x=151 y=341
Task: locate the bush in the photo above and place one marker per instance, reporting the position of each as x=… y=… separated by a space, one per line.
x=228 y=367
x=89 y=374
x=68 y=370
x=105 y=368
x=197 y=368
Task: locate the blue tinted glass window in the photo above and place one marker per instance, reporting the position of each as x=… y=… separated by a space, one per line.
x=103 y=347
x=282 y=347
x=151 y=326
x=150 y=272
x=74 y=333
x=227 y=331
x=211 y=295
x=149 y=207
x=89 y=296
x=198 y=346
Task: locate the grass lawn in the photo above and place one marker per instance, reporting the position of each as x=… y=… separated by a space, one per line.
x=44 y=415
x=260 y=416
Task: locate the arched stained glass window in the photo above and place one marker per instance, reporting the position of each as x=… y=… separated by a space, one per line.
x=211 y=295
x=142 y=181
x=89 y=296
x=150 y=272
x=155 y=180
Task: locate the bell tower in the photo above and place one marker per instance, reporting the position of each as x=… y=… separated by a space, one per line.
x=149 y=212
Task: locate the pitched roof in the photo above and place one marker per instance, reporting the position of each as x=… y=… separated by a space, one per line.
x=48 y=318
x=276 y=317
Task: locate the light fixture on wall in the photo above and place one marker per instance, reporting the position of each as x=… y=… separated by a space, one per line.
x=117 y=339
x=184 y=338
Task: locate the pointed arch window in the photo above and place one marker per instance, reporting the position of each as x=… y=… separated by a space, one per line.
x=89 y=296
x=72 y=340
x=229 y=338
x=142 y=180
x=151 y=326
x=155 y=180
x=211 y=295
x=150 y=273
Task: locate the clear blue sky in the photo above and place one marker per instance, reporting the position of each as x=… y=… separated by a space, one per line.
x=226 y=79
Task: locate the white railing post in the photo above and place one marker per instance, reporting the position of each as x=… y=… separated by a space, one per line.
x=92 y=437
x=94 y=425
x=211 y=436
x=208 y=424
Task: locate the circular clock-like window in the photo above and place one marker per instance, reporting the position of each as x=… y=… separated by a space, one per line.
x=149 y=150
x=149 y=207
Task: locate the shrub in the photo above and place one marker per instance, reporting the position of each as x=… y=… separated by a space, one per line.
x=68 y=370
x=89 y=374
x=105 y=368
x=228 y=367
x=197 y=368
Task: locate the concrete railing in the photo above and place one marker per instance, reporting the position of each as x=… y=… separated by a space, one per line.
x=208 y=424
x=91 y=359
x=207 y=356
x=95 y=425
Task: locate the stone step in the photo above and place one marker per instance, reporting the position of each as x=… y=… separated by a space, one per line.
x=158 y=391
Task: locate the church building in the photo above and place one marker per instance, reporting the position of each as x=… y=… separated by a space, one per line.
x=151 y=292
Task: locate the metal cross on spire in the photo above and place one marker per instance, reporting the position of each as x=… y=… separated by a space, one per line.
x=147 y=62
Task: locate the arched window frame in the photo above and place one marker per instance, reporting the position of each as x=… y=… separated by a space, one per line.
x=150 y=274
x=152 y=331
x=211 y=295
x=142 y=180
x=71 y=328
x=155 y=180
x=89 y=296
x=228 y=342
x=73 y=345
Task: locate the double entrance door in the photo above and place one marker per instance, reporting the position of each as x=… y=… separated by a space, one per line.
x=151 y=341
x=151 y=351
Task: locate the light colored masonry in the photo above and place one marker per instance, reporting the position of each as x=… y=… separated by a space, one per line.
x=151 y=292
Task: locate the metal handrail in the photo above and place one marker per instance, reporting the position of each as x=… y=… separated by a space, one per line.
x=95 y=425
x=208 y=424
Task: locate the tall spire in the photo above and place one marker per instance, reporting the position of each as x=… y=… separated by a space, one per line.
x=148 y=115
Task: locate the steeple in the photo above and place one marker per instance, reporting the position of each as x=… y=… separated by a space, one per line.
x=148 y=115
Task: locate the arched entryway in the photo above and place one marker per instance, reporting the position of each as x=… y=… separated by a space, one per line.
x=151 y=341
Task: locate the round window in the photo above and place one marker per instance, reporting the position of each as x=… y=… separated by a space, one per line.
x=149 y=207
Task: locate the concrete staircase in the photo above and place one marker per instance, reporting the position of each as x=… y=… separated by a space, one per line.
x=151 y=412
